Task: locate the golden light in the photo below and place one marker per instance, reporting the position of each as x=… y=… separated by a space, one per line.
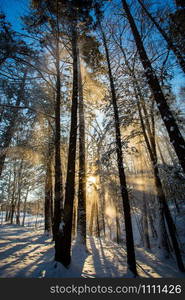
x=91 y=180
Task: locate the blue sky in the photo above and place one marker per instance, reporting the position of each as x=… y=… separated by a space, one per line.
x=16 y=8
x=13 y=10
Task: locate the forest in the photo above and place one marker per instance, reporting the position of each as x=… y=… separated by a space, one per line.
x=92 y=138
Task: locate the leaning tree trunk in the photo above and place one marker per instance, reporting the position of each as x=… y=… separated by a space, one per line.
x=152 y=153
x=163 y=206
x=81 y=218
x=64 y=256
x=150 y=142
x=169 y=221
x=175 y=135
x=162 y=229
x=131 y=261
x=160 y=153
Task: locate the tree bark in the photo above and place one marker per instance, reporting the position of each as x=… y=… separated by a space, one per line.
x=118 y=230
x=131 y=261
x=160 y=153
x=13 y=196
x=58 y=188
x=19 y=187
x=145 y=224
x=92 y=218
x=101 y=191
x=64 y=256
x=97 y=230
x=48 y=198
x=81 y=219
x=24 y=207
x=9 y=195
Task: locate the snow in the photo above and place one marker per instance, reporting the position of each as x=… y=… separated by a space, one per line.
x=61 y=226
x=30 y=220
x=27 y=252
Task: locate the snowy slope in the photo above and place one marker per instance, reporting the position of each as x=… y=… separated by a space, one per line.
x=25 y=252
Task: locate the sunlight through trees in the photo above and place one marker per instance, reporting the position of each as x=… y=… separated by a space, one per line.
x=92 y=127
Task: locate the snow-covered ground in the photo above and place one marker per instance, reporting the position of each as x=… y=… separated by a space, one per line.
x=27 y=252
x=30 y=220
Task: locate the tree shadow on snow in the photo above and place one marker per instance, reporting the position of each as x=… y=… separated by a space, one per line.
x=103 y=266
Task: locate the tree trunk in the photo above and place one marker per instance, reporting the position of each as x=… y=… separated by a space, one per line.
x=48 y=198
x=12 y=211
x=151 y=146
x=9 y=195
x=101 y=192
x=19 y=186
x=13 y=197
x=131 y=261
x=97 y=230
x=74 y=220
x=58 y=188
x=118 y=231
x=146 y=238
x=102 y=206
x=64 y=256
x=81 y=219
x=153 y=230
x=92 y=217
x=170 y=222
x=18 y=207
x=37 y=213
x=170 y=151
x=24 y=206
x=176 y=138
x=163 y=207
x=160 y=153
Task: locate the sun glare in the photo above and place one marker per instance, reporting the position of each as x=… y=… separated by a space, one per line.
x=92 y=179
